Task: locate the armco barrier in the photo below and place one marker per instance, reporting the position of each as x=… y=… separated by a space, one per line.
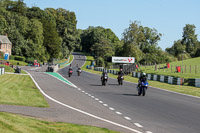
x=155 y=77
x=162 y=78
x=148 y=76
x=2 y=70
x=194 y=82
x=197 y=82
x=158 y=77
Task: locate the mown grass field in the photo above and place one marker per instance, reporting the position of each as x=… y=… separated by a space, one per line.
x=191 y=69
x=20 y=90
x=189 y=90
x=10 y=123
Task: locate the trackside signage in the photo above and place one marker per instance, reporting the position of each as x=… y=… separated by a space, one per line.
x=123 y=59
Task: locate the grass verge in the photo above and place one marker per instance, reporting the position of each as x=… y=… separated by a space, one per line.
x=14 y=62
x=189 y=90
x=10 y=69
x=20 y=90
x=11 y=123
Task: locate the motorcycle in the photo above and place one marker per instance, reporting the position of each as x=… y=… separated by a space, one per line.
x=79 y=72
x=142 y=88
x=104 y=80
x=70 y=73
x=120 y=80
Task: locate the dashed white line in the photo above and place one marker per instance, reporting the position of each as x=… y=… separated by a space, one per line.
x=138 y=125
x=92 y=97
x=119 y=113
x=105 y=105
x=127 y=118
x=83 y=91
x=78 y=110
x=149 y=132
x=111 y=108
x=79 y=89
x=96 y=99
x=100 y=101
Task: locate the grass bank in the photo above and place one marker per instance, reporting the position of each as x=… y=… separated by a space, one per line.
x=190 y=69
x=10 y=123
x=15 y=62
x=189 y=90
x=20 y=90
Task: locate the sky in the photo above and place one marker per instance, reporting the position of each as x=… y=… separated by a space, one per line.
x=168 y=17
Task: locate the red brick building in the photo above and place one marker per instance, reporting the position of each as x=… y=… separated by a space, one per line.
x=5 y=45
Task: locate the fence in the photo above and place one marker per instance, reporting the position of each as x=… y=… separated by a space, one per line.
x=190 y=69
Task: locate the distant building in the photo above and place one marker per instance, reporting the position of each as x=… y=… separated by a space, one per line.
x=5 y=45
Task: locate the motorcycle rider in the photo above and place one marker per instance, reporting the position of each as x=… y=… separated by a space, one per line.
x=120 y=74
x=104 y=74
x=70 y=69
x=142 y=78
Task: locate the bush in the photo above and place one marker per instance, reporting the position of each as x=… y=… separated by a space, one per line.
x=11 y=57
x=30 y=60
x=20 y=58
x=1 y=55
x=100 y=62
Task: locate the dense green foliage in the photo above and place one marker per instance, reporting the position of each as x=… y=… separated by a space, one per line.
x=51 y=33
x=38 y=34
x=100 y=42
x=188 y=46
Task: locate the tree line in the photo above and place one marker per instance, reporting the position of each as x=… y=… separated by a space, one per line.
x=38 y=34
x=52 y=33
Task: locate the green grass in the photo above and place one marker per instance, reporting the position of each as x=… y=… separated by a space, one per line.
x=191 y=69
x=10 y=69
x=189 y=90
x=20 y=90
x=11 y=123
x=69 y=60
x=14 y=62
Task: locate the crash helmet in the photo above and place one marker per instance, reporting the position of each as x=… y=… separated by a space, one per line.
x=143 y=74
x=121 y=70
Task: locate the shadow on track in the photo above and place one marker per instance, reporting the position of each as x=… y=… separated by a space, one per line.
x=130 y=94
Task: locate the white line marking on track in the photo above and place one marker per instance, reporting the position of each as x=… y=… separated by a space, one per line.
x=111 y=108
x=83 y=91
x=138 y=125
x=105 y=105
x=156 y=88
x=100 y=101
x=149 y=132
x=119 y=113
x=96 y=99
x=83 y=112
x=92 y=97
x=79 y=89
x=127 y=118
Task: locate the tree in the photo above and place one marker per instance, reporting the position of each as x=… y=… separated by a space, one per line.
x=139 y=40
x=3 y=25
x=190 y=39
x=52 y=41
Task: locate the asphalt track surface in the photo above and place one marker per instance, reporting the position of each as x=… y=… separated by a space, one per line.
x=159 y=111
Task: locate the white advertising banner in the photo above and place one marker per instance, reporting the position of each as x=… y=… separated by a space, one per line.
x=123 y=59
